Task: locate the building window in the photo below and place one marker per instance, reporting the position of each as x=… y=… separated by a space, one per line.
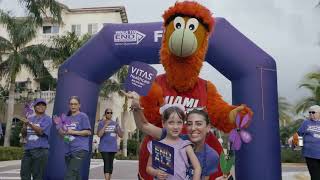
x=50 y=29
x=76 y=28
x=92 y=28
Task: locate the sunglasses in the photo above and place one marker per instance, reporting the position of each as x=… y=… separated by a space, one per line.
x=108 y=112
x=312 y=112
x=188 y=110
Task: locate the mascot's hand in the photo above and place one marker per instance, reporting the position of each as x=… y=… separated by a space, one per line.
x=242 y=109
x=295 y=139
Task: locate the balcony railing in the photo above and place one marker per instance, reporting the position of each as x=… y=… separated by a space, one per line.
x=47 y=95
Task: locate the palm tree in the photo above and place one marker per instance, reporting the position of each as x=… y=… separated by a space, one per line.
x=39 y=9
x=312 y=84
x=66 y=45
x=115 y=85
x=284 y=110
x=21 y=31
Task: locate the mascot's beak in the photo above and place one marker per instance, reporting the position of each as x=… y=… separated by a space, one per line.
x=183 y=43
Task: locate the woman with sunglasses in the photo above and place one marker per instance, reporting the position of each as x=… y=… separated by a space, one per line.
x=310 y=131
x=197 y=127
x=108 y=130
x=76 y=139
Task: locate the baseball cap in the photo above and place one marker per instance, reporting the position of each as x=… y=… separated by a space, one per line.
x=39 y=100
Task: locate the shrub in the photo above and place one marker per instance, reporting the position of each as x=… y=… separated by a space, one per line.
x=10 y=153
x=291 y=156
x=132 y=147
x=15 y=139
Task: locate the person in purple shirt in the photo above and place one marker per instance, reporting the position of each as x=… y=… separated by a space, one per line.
x=310 y=131
x=108 y=130
x=76 y=139
x=36 y=130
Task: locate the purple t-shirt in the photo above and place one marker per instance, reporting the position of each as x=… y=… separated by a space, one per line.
x=310 y=131
x=208 y=157
x=38 y=141
x=108 y=142
x=180 y=159
x=209 y=160
x=78 y=122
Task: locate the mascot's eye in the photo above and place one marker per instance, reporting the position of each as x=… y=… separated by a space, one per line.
x=178 y=23
x=178 y=26
x=192 y=24
x=191 y=27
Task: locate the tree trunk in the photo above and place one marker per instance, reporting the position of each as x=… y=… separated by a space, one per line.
x=125 y=116
x=9 y=115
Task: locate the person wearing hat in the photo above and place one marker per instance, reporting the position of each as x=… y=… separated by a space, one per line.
x=36 y=130
x=310 y=131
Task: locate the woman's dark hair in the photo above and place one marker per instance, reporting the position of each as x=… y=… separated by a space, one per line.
x=105 y=111
x=76 y=98
x=201 y=112
x=166 y=114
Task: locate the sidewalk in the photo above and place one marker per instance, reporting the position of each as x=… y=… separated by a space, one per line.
x=295 y=171
x=126 y=169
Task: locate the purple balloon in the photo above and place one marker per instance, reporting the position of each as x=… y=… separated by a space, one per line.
x=245 y=136
x=235 y=140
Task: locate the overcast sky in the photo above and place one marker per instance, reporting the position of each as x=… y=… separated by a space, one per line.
x=288 y=30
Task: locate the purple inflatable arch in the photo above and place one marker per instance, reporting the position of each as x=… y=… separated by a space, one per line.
x=251 y=71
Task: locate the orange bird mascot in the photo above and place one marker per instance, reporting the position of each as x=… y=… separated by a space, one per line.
x=187 y=28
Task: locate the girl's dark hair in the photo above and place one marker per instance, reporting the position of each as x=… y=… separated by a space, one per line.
x=201 y=112
x=105 y=111
x=166 y=114
x=70 y=98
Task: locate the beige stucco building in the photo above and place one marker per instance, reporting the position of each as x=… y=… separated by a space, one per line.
x=80 y=21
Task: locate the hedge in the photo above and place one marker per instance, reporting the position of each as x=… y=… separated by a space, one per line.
x=11 y=153
x=291 y=156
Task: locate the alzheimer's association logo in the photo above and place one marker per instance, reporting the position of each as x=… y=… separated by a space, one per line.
x=130 y=37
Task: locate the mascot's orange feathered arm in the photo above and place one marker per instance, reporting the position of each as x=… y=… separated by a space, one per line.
x=152 y=103
x=222 y=114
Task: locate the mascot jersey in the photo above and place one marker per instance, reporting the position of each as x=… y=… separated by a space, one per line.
x=196 y=97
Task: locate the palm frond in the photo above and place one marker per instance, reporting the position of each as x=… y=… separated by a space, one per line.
x=314 y=75
x=304 y=104
x=308 y=85
x=6 y=19
x=110 y=86
x=15 y=62
x=311 y=82
x=20 y=30
x=122 y=73
x=34 y=56
x=39 y=10
x=4 y=69
x=284 y=111
x=66 y=45
x=5 y=45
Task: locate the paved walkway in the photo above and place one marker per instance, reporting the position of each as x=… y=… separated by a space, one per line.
x=127 y=170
